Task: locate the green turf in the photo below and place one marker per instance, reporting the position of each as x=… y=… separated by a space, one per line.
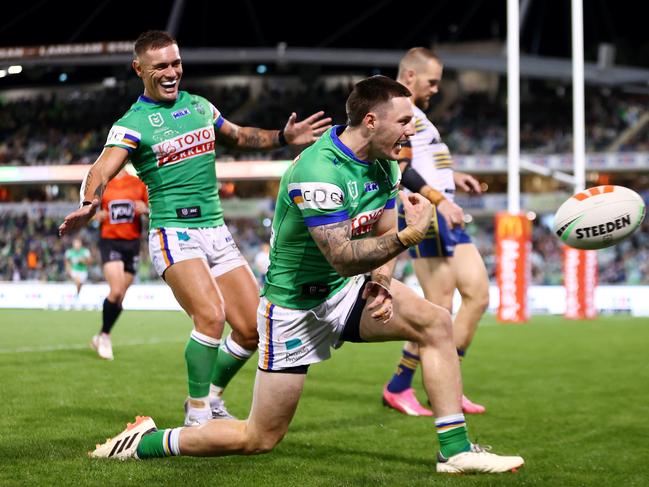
x=571 y=397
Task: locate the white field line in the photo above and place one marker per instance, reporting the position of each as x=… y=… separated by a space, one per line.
x=56 y=348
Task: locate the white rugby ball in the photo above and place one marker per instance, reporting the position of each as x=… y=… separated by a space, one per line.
x=599 y=217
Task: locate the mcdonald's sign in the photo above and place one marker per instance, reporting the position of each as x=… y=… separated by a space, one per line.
x=513 y=250
x=512 y=226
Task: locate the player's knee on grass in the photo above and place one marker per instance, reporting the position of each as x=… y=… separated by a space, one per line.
x=263 y=444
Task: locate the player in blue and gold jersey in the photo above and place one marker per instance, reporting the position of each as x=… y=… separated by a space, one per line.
x=446 y=259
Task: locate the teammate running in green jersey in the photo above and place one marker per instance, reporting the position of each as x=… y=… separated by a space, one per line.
x=76 y=263
x=169 y=137
x=336 y=220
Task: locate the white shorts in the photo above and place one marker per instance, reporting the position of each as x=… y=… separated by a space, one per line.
x=81 y=276
x=169 y=245
x=293 y=337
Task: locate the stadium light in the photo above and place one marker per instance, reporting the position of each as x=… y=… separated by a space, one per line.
x=17 y=69
x=3 y=73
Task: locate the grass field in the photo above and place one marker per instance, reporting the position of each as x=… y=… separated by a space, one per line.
x=571 y=397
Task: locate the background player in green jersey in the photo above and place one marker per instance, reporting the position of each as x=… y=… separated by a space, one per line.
x=77 y=260
x=446 y=259
x=336 y=220
x=169 y=137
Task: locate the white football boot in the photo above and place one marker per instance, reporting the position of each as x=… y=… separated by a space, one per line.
x=124 y=445
x=196 y=416
x=478 y=460
x=217 y=405
x=103 y=345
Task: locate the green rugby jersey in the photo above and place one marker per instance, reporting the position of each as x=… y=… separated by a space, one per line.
x=326 y=184
x=171 y=147
x=78 y=259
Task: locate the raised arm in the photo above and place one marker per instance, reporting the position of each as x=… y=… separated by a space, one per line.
x=294 y=133
x=352 y=257
x=109 y=163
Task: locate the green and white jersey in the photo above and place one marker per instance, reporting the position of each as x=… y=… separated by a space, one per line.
x=78 y=259
x=171 y=147
x=326 y=184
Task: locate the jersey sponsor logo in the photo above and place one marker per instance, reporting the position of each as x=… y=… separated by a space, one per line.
x=321 y=196
x=371 y=186
x=364 y=222
x=123 y=136
x=156 y=119
x=189 y=212
x=352 y=187
x=180 y=113
x=121 y=211
x=185 y=146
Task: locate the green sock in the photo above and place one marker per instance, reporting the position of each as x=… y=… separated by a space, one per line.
x=158 y=444
x=453 y=435
x=200 y=354
x=230 y=360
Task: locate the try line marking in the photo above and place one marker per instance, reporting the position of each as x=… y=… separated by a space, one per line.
x=56 y=348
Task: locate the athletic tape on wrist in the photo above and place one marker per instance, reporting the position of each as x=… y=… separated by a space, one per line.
x=410 y=236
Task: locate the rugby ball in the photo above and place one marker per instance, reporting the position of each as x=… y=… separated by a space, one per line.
x=599 y=217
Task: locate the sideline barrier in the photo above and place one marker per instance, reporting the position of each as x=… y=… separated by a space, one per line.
x=541 y=299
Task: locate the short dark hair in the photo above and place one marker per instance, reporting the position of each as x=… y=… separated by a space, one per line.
x=369 y=93
x=152 y=39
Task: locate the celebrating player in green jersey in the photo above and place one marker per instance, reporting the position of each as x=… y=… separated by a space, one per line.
x=169 y=137
x=335 y=221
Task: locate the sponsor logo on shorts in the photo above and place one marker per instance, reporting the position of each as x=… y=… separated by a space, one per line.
x=156 y=119
x=185 y=146
x=182 y=236
x=293 y=343
x=180 y=113
x=189 y=212
x=292 y=357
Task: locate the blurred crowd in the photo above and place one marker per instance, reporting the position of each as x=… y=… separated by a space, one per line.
x=70 y=126
x=30 y=250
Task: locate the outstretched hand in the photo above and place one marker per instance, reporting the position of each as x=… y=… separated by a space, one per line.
x=308 y=130
x=466 y=182
x=78 y=218
x=381 y=305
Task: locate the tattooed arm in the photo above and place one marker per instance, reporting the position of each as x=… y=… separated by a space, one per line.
x=109 y=163
x=352 y=257
x=387 y=225
x=294 y=133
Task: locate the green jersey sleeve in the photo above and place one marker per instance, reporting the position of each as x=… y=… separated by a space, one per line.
x=319 y=195
x=121 y=135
